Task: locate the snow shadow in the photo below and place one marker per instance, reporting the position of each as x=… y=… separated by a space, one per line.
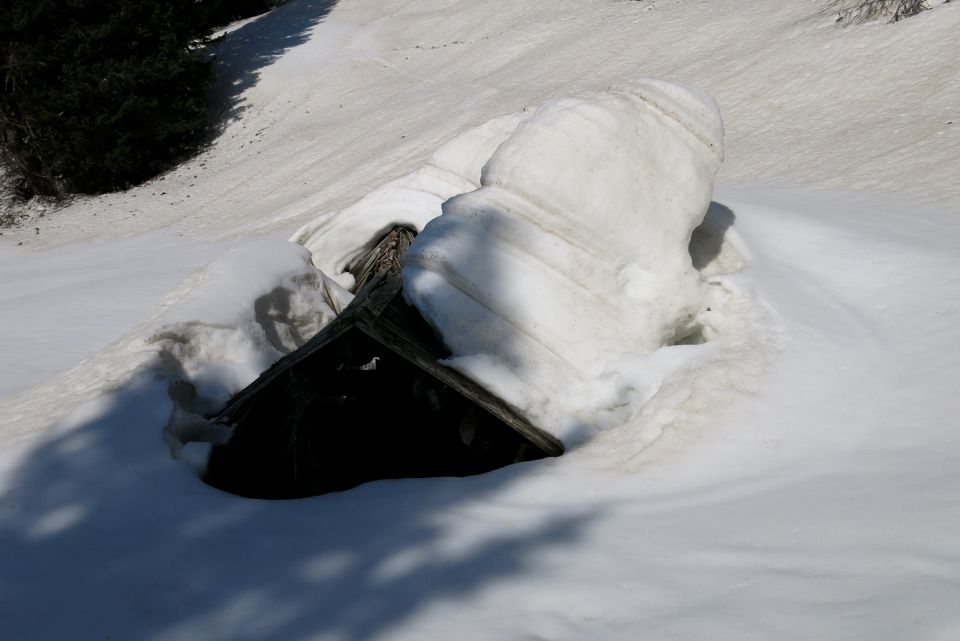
x=256 y=45
x=104 y=536
x=708 y=239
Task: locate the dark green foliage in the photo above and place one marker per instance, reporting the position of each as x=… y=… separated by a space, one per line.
x=99 y=94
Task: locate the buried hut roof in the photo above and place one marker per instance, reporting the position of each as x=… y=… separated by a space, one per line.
x=367 y=398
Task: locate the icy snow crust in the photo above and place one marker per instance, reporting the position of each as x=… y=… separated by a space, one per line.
x=574 y=251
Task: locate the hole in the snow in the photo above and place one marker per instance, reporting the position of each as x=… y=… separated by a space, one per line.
x=709 y=250
x=692 y=336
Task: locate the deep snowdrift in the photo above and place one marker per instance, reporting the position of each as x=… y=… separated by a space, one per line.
x=574 y=253
x=563 y=254
x=336 y=238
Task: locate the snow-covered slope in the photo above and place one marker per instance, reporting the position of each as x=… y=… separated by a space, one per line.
x=333 y=99
x=791 y=478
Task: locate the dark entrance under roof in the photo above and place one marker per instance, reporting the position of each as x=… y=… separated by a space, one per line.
x=366 y=399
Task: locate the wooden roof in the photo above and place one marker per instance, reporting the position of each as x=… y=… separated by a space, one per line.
x=380 y=312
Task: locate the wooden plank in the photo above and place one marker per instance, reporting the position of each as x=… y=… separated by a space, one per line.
x=379 y=293
x=325 y=337
x=380 y=312
x=392 y=328
x=376 y=295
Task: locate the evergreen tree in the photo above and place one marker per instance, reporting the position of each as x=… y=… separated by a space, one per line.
x=99 y=94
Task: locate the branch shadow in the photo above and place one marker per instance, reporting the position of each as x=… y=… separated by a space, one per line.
x=245 y=52
x=104 y=534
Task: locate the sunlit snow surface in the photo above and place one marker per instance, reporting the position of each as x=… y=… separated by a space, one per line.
x=60 y=306
x=798 y=482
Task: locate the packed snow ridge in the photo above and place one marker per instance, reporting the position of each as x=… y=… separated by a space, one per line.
x=555 y=246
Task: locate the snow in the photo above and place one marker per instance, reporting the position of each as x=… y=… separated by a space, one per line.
x=337 y=238
x=574 y=251
x=103 y=289
x=792 y=477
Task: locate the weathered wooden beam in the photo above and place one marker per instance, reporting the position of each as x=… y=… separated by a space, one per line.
x=392 y=326
x=376 y=295
x=380 y=312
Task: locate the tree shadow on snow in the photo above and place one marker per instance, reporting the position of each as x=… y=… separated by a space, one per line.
x=102 y=532
x=256 y=45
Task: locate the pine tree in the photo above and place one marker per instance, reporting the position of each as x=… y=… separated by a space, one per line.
x=99 y=94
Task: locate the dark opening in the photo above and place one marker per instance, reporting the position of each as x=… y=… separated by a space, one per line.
x=367 y=399
x=359 y=413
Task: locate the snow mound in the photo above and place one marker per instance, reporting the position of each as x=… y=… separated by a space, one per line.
x=574 y=252
x=338 y=238
x=564 y=274
x=244 y=311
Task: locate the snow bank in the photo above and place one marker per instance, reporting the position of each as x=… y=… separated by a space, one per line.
x=574 y=251
x=61 y=306
x=559 y=273
x=563 y=256
x=339 y=237
x=240 y=314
